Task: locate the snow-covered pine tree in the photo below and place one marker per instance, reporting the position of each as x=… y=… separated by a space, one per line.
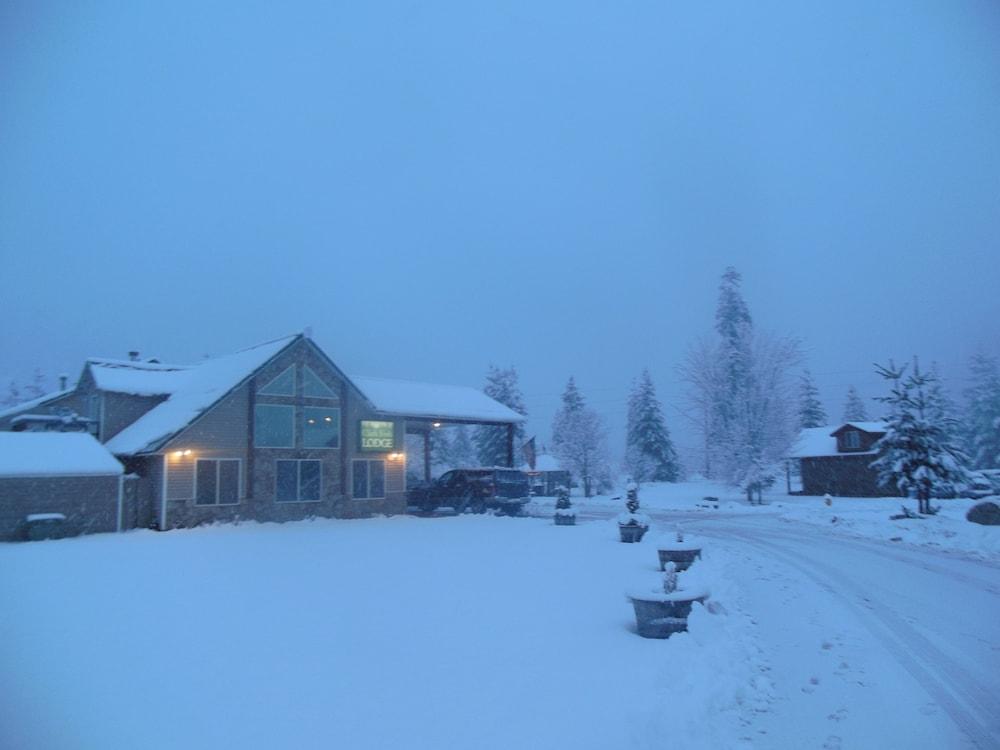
x=982 y=413
x=740 y=391
x=491 y=442
x=463 y=452
x=649 y=452
x=916 y=455
x=811 y=411
x=36 y=388
x=13 y=397
x=854 y=407
x=579 y=440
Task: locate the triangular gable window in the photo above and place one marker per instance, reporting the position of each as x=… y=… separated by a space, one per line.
x=313 y=387
x=283 y=385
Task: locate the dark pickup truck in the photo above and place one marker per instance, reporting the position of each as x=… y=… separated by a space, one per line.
x=475 y=490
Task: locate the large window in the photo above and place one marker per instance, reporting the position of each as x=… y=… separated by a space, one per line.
x=274 y=426
x=313 y=387
x=368 y=478
x=283 y=385
x=298 y=481
x=320 y=427
x=217 y=481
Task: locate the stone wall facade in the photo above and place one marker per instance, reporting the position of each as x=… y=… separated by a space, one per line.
x=90 y=503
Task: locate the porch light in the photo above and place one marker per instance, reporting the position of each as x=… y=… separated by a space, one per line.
x=435 y=424
x=397 y=456
x=181 y=454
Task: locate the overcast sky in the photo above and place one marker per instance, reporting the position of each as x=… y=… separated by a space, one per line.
x=558 y=186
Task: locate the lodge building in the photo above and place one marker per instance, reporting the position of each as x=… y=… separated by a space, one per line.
x=275 y=432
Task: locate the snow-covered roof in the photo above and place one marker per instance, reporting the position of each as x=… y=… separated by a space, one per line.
x=408 y=399
x=136 y=378
x=32 y=454
x=544 y=462
x=193 y=390
x=820 y=441
x=28 y=405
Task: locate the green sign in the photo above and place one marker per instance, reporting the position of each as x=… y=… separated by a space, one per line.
x=377 y=436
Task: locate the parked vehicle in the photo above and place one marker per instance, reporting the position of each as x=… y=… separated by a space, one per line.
x=476 y=490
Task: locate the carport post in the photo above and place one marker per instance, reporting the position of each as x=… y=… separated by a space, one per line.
x=510 y=445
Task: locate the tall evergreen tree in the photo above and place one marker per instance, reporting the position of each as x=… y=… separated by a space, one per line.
x=491 y=442
x=854 y=407
x=13 y=397
x=916 y=455
x=579 y=440
x=811 y=411
x=37 y=387
x=982 y=413
x=649 y=452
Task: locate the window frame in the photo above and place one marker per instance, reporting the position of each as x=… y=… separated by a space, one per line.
x=331 y=394
x=256 y=420
x=298 y=480
x=218 y=485
x=368 y=478
x=852 y=440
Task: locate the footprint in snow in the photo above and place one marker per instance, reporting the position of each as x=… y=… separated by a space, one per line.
x=839 y=715
x=832 y=743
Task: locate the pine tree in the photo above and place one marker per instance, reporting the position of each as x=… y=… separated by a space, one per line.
x=916 y=455
x=811 y=411
x=982 y=413
x=463 y=453
x=13 y=397
x=579 y=440
x=649 y=452
x=491 y=442
x=36 y=388
x=854 y=407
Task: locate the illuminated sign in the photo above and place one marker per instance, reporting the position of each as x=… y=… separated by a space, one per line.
x=377 y=436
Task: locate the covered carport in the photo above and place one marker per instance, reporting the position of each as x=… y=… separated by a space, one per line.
x=425 y=407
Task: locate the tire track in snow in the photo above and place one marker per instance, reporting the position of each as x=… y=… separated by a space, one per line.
x=957 y=692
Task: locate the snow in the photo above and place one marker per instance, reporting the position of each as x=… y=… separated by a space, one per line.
x=410 y=399
x=819 y=441
x=137 y=378
x=491 y=632
x=194 y=390
x=34 y=454
x=543 y=462
x=31 y=517
x=28 y=405
x=465 y=632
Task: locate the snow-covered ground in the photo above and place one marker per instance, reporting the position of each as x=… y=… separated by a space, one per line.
x=495 y=633
x=847 y=516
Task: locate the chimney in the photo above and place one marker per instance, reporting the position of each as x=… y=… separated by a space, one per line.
x=63 y=379
x=133 y=356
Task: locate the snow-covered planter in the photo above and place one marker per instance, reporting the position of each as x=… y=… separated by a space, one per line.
x=679 y=551
x=661 y=613
x=565 y=515
x=632 y=525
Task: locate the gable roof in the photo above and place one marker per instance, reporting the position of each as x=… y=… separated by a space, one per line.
x=193 y=390
x=33 y=454
x=814 y=442
x=873 y=427
x=405 y=398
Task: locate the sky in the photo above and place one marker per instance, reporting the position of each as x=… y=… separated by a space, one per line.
x=432 y=187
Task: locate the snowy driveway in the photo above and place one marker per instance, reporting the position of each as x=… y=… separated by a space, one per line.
x=869 y=644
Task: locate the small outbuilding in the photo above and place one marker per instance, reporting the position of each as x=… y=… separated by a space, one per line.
x=837 y=460
x=66 y=481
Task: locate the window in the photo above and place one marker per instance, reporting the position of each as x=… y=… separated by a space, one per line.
x=283 y=385
x=852 y=439
x=313 y=387
x=368 y=478
x=273 y=426
x=320 y=427
x=217 y=481
x=298 y=481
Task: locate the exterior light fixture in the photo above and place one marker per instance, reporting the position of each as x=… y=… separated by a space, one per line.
x=435 y=424
x=187 y=452
x=178 y=454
